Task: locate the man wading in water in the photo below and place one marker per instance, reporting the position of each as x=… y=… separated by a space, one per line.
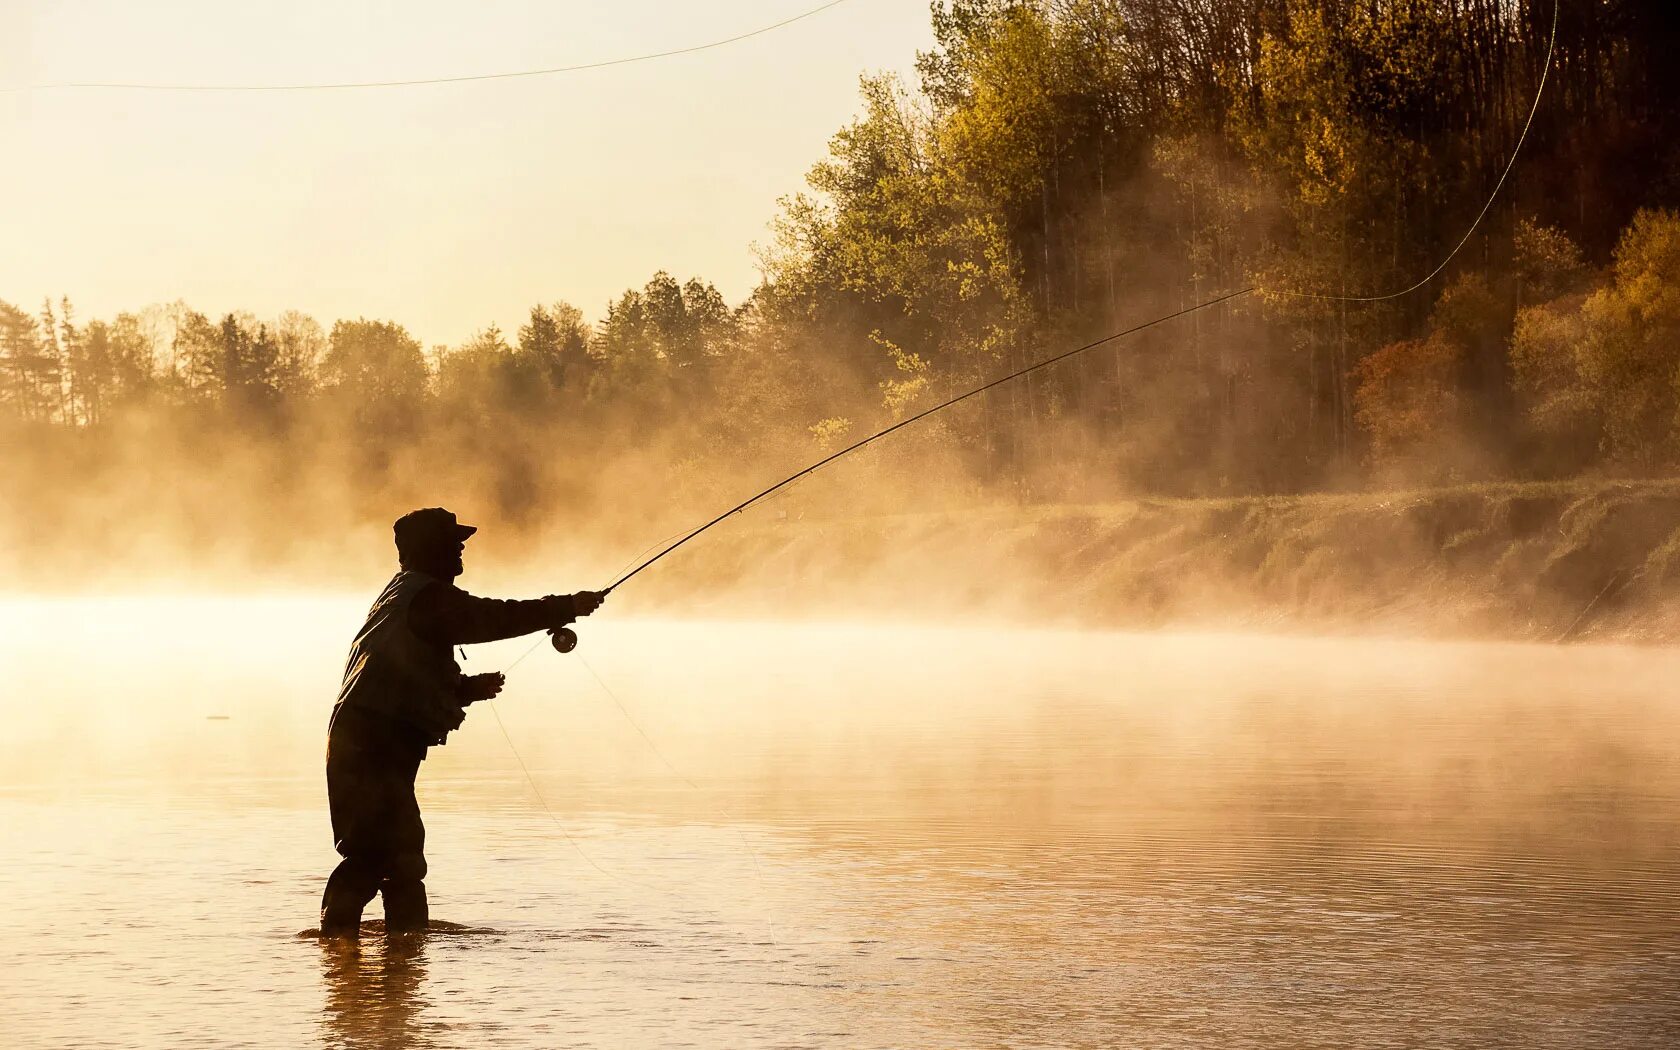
x=402 y=693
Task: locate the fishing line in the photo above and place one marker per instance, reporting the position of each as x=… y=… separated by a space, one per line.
x=523 y=655
x=535 y=790
x=1545 y=71
x=645 y=551
x=901 y=424
x=1539 y=93
x=758 y=873
x=352 y=85
x=578 y=846
x=1036 y=366
x=743 y=506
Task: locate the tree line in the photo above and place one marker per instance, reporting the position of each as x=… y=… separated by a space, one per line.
x=1058 y=169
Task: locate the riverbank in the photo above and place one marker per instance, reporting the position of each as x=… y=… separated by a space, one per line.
x=1541 y=561
x=1533 y=561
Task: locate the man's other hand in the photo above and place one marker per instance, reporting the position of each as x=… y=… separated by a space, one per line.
x=482 y=686
x=586 y=602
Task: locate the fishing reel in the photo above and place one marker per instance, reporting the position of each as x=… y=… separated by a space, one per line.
x=564 y=639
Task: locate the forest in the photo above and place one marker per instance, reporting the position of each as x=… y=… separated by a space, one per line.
x=1059 y=170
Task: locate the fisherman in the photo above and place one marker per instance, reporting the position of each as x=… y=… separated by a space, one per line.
x=403 y=693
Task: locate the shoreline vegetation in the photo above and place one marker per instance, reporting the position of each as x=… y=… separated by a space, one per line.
x=1565 y=561
x=1058 y=171
x=1577 y=561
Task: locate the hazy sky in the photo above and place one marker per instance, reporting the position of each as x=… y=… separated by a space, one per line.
x=444 y=207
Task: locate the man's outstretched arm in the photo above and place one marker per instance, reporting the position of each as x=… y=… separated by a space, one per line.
x=447 y=615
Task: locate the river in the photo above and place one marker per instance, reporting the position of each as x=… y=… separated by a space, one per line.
x=735 y=834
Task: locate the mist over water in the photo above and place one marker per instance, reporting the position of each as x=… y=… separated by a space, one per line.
x=808 y=784
x=875 y=834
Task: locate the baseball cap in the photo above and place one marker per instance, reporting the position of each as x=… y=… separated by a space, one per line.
x=428 y=526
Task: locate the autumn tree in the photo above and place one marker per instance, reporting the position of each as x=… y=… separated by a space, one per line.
x=1605 y=363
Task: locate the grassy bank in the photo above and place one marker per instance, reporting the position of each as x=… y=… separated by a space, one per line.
x=1542 y=561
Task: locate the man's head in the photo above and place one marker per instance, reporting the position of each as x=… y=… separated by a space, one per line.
x=431 y=541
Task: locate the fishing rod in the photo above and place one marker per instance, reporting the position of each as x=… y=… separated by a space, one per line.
x=564 y=639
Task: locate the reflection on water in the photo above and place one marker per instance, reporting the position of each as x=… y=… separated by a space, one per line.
x=372 y=991
x=875 y=837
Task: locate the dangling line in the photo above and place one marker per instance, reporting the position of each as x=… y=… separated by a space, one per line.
x=758 y=872
x=537 y=791
x=523 y=655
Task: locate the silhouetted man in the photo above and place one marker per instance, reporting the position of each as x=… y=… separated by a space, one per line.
x=402 y=693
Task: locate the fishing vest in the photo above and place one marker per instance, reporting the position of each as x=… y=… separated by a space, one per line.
x=394 y=673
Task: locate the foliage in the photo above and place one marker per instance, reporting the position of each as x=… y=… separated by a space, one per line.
x=1062 y=170
x=1408 y=397
x=374 y=376
x=1546 y=261
x=1606 y=363
x=828 y=433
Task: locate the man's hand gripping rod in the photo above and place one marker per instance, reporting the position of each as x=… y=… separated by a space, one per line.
x=564 y=639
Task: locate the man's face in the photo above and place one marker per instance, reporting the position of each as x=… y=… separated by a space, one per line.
x=454 y=555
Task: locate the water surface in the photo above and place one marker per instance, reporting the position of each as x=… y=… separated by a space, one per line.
x=849 y=835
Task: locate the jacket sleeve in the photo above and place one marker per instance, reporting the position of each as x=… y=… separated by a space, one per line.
x=444 y=614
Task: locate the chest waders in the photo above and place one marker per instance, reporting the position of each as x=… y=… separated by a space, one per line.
x=400 y=696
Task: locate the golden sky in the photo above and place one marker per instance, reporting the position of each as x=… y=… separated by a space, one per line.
x=445 y=207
